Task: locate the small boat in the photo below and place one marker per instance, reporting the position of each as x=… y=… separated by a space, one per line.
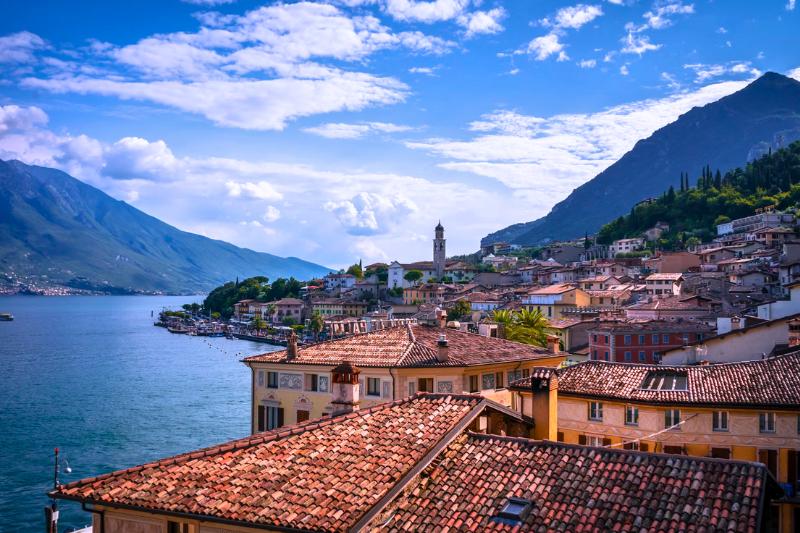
x=6 y=317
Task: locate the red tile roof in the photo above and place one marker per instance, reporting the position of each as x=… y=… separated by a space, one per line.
x=576 y=489
x=773 y=382
x=409 y=346
x=321 y=475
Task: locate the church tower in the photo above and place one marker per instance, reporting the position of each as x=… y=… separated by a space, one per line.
x=439 y=254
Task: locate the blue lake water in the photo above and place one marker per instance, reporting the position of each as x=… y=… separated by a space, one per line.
x=93 y=376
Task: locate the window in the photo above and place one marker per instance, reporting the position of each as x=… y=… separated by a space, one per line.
x=594 y=355
x=770 y=459
x=660 y=380
x=641 y=339
x=269 y=417
x=642 y=357
x=593 y=440
x=674 y=450
x=606 y=357
x=628 y=357
x=627 y=340
x=516 y=509
x=425 y=384
x=721 y=453
x=473 y=384
x=594 y=338
x=302 y=415
x=665 y=339
x=412 y=388
x=655 y=338
x=631 y=415
x=632 y=445
x=498 y=380
x=526 y=372
x=766 y=422
x=487 y=381
x=596 y=411
x=177 y=527
x=606 y=339
x=373 y=386
x=312 y=382
x=672 y=417
x=720 y=421
x=272 y=380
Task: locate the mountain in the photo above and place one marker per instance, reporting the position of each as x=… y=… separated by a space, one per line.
x=55 y=229
x=723 y=134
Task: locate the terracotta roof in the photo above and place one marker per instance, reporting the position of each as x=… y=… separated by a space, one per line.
x=773 y=382
x=669 y=303
x=321 y=475
x=577 y=489
x=409 y=346
x=653 y=326
x=553 y=289
x=665 y=276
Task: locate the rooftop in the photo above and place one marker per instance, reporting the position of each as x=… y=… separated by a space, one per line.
x=553 y=289
x=409 y=346
x=560 y=487
x=653 y=326
x=772 y=383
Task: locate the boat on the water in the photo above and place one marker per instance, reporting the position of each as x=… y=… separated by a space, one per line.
x=6 y=317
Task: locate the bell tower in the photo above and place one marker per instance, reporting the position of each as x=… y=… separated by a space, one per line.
x=439 y=254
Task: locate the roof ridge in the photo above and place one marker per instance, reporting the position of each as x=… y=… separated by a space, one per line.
x=261 y=438
x=619 y=451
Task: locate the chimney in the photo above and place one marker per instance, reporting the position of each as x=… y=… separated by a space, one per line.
x=346 y=389
x=441 y=316
x=442 y=350
x=291 y=345
x=553 y=345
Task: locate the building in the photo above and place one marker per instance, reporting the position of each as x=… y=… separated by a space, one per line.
x=286 y=309
x=667 y=284
x=439 y=253
x=598 y=283
x=553 y=300
x=642 y=342
x=772 y=237
x=335 y=281
x=338 y=307
x=427 y=293
x=295 y=384
x=673 y=262
x=625 y=246
x=673 y=308
x=432 y=462
x=746 y=411
x=755 y=222
x=738 y=342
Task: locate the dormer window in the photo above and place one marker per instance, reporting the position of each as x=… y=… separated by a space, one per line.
x=516 y=509
x=666 y=381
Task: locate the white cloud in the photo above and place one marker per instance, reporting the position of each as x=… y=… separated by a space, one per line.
x=624 y=70
x=271 y=214
x=480 y=22
x=543 y=159
x=790 y=5
x=545 y=46
x=705 y=72
x=428 y=71
x=370 y=213
x=260 y=190
x=133 y=158
x=426 y=11
x=573 y=17
x=722 y=30
x=339 y=130
x=587 y=63
x=660 y=16
x=13 y=117
x=20 y=47
x=637 y=44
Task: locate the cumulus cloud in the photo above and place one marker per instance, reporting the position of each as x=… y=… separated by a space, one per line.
x=637 y=44
x=339 y=130
x=587 y=63
x=20 y=47
x=660 y=16
x=370 y=213
x=544 y=158
x=567 y=18
x=426 y=11
x=13 y=117
x=261 y=190
x=271 y=214
x=480 y=22
x=545 y=46
x=573 y=17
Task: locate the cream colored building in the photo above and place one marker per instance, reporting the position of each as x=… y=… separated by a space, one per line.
x=747 y=411
x=294 y=385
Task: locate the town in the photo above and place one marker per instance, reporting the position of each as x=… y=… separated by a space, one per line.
x=680 y=370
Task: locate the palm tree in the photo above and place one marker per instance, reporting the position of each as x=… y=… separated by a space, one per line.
x=258 y=324
x=316 y=325
x=525 y=326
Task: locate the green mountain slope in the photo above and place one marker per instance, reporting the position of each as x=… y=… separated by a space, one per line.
x=693 y=212
x=724 y=134
x=54 y=225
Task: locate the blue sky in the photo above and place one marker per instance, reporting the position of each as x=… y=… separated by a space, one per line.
x=345 y=129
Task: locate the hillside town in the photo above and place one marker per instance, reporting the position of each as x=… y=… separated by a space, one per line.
x=419 y=405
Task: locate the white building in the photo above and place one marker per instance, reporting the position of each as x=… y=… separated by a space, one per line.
x=623 y=246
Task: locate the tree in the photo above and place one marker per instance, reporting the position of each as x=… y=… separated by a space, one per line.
x=216 y=315
x=525 y=326
x=316 y=324
x=413 y=276
x=289 y=321
x=356 y=270
x=258 y=324
x=460 y=309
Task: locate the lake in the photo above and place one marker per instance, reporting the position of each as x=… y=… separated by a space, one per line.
x=93 y=376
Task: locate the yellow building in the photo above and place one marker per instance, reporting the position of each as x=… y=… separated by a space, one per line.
x=339 y=307
x=552 y=300
x=746 y=411
x=294 y=385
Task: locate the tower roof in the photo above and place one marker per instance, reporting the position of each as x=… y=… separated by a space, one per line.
x=439 y=226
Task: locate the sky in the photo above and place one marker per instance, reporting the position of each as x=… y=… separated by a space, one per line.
x=342 y=130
